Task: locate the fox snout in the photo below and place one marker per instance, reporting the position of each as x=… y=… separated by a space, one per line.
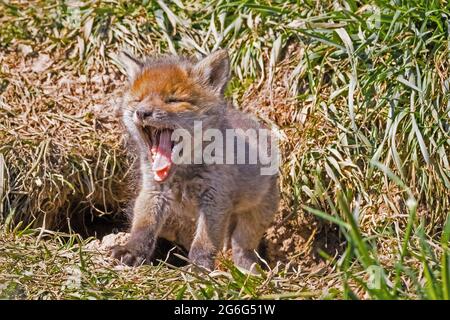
x=146 y=115
x=143 y=113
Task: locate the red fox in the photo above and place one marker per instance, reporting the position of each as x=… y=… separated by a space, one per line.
x=202 y=206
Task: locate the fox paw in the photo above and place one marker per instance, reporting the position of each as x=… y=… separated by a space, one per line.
x=202 y=259
x=128 y=255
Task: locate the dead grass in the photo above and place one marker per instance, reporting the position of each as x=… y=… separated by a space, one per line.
x=67 y=268
x=61 y=142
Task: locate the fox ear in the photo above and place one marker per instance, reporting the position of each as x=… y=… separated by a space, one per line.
x=131 y=65
x=214 y=70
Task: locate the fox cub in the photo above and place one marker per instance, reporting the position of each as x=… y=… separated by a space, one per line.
x=202 y=206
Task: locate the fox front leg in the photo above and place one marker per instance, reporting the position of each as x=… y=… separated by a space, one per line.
x=211 y=227
x=149 y=215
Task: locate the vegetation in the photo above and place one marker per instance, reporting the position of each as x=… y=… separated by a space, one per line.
x=359 y=91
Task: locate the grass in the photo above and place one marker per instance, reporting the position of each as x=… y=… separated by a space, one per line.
x=65 y=268
x=358 y=89
x=424 y=275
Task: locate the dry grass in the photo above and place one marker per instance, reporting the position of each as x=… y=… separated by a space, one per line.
x=67 y=268
x=61 y=141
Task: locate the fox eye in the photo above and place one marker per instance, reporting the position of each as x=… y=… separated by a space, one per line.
x=173 y=100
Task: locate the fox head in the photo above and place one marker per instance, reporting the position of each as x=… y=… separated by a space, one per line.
x=171 y=93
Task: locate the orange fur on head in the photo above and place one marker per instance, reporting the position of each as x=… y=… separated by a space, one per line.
x=164 y=84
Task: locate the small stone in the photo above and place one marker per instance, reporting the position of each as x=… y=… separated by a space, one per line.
x=42 y=63
x=25 y=49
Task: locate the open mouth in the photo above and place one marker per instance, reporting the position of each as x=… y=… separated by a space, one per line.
x=160 y=153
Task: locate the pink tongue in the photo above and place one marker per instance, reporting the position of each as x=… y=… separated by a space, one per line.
x=162 y=160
